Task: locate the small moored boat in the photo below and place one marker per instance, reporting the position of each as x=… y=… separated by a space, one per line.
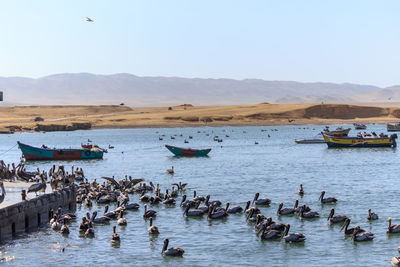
x=309 y=141
x=393 y=127
x=345 y=141
x=188 y=152
x=359 y=126
x=36 y=153
x=338 y=132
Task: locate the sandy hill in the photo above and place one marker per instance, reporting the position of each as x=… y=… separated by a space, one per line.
x=86 y=88
x=187 y=115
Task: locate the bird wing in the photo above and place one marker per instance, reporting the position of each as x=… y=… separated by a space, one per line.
x=134 y=182
x=112 y=180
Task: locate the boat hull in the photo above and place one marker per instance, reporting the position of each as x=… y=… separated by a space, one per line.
x=188 y=152
x=35 y=153
x=335 y=142
x=393 y=127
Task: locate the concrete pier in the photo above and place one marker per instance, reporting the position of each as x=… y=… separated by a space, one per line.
x=28 y=215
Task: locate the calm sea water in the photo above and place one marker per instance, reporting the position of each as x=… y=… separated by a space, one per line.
x=234 y=171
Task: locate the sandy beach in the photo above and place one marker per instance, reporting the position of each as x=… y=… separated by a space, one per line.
x=22 y=118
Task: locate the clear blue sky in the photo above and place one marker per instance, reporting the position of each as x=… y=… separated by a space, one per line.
x=332 y=41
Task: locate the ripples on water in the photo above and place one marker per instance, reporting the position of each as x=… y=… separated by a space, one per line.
x=236 y=169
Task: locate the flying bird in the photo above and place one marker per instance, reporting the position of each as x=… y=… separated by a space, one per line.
x=89 y=19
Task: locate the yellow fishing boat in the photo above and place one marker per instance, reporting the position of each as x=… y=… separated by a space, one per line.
x=347 y=141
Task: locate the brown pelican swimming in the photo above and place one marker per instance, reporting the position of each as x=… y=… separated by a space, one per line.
x=171 y=171
x=100 y=220
x=393 y=229
x=309 y=214
x=336 y=218
x=261 y=201
x=236 y=209
x=169 y=201
x=298 y=209
x=55 y=225
x=198 y=198
x=185 y=202
x=175 y=251
x=64 y=228
x=395 y=261
x=192 y=213
x=121 y=220
x=130 y=206
x=301 y=191
x=115 y=236
x=372 y=215
x=89 y=231
x=83 y=226
x=328 y=200
x=292 y=238
x=349 y=231
x=153 y=230
x=149 y=213
x=359 y=236
x=270 y=234
x=3 y=192
x=285 y=211
x=271 y=225
x=216 y=215
x=111 y=214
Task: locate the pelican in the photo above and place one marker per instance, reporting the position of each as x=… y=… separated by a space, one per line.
x=192 y=213
x=293 y=238
x=261 y=201
x=348 y=231
x=395 y=261
x=130 y=206
x=153 y=230
x=285 y=211
x=336 y=218
x=275 y=225
x=198 y=198
x=216 y=215
x=175 y=251
x=89 y=20
x=90 y=231
x=3 y=192
x=185 y=202
x=121 y=220
x=269 y=235
x=171 y=171
x=308 y=215
x=64 y=228
x=301 y=191
x=100 y=220
x=328 y=200
x=359 y=236
x=149 y=213
x=236 y=209
x=37 y=187
x=115 y=236
x=393 y=229
x=372 y=215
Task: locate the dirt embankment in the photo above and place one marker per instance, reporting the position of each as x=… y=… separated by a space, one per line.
x=66 y=118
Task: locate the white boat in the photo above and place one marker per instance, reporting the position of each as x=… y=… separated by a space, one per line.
x=359 y=126
x=309 y=141
x=393 y=127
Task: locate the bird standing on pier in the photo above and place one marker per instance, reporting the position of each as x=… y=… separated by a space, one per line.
x=38 y=187
x=3 y=192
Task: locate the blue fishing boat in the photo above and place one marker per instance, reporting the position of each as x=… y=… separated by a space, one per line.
x=44 y=153
x=188 y=152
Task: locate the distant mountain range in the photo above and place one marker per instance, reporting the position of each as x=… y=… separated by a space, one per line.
x=86 y=88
